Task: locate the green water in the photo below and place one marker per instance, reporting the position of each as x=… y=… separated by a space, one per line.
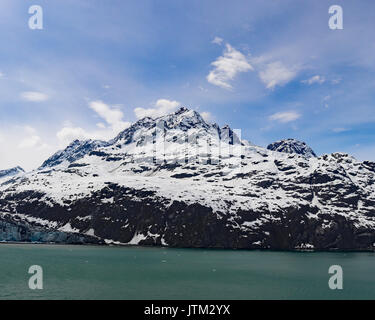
x=90 y=272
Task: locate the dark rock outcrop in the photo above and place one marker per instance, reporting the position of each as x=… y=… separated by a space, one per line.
x=292 y=146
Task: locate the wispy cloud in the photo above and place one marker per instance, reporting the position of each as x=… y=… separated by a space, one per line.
x=34 y=96
x=217 y=40
x=276 y=74
x=315 y=79
x=336 y=81
x=285 y=117
x=227 y=66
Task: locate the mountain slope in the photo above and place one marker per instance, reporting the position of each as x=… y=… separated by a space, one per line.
x=180 y=181
x=75 y=151
x=11 y=172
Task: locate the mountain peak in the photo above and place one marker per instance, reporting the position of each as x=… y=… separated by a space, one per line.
x=292 y=146
x=182 y=110
x=184 y=119
x=11 y=172
x=74 y=151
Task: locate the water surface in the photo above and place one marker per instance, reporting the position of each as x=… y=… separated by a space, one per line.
x=94 y=272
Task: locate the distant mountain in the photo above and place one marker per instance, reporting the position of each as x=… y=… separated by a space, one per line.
x=180 y=181
x=11 y=172
x=292 y=146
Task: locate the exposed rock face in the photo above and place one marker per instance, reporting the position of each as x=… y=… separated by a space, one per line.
x=292 y=146
x=172 y=181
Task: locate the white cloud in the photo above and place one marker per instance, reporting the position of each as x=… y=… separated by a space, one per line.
x=284 y=117
x=29 y=130
x=101 y=125
x=276 y=74
x=30 y=139
x=315 y=79
x=68 y=134
x=162 y=107
x=227 y=66
x=34 y=96
x=326 y=100
x=113 y=116
x=25 y=147
x=217 y=40
x=206 y=115
x=30 y=142
x=26 y=151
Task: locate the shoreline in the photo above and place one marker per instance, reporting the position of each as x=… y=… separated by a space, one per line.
x=191 y=248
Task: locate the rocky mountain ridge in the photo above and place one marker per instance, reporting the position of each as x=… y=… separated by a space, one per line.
x=11 y=172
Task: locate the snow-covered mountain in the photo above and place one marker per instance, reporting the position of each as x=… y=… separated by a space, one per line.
x=292 y=146
x=179 y=181
x=75 y=151
x=11 y=172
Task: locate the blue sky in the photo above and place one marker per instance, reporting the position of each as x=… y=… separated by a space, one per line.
x=273 y=69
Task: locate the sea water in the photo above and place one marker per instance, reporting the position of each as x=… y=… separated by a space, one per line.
x=95 y=272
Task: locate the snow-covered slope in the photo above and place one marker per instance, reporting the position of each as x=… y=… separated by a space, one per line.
x=8 y=173
x=75 y=151
x=180 y=181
